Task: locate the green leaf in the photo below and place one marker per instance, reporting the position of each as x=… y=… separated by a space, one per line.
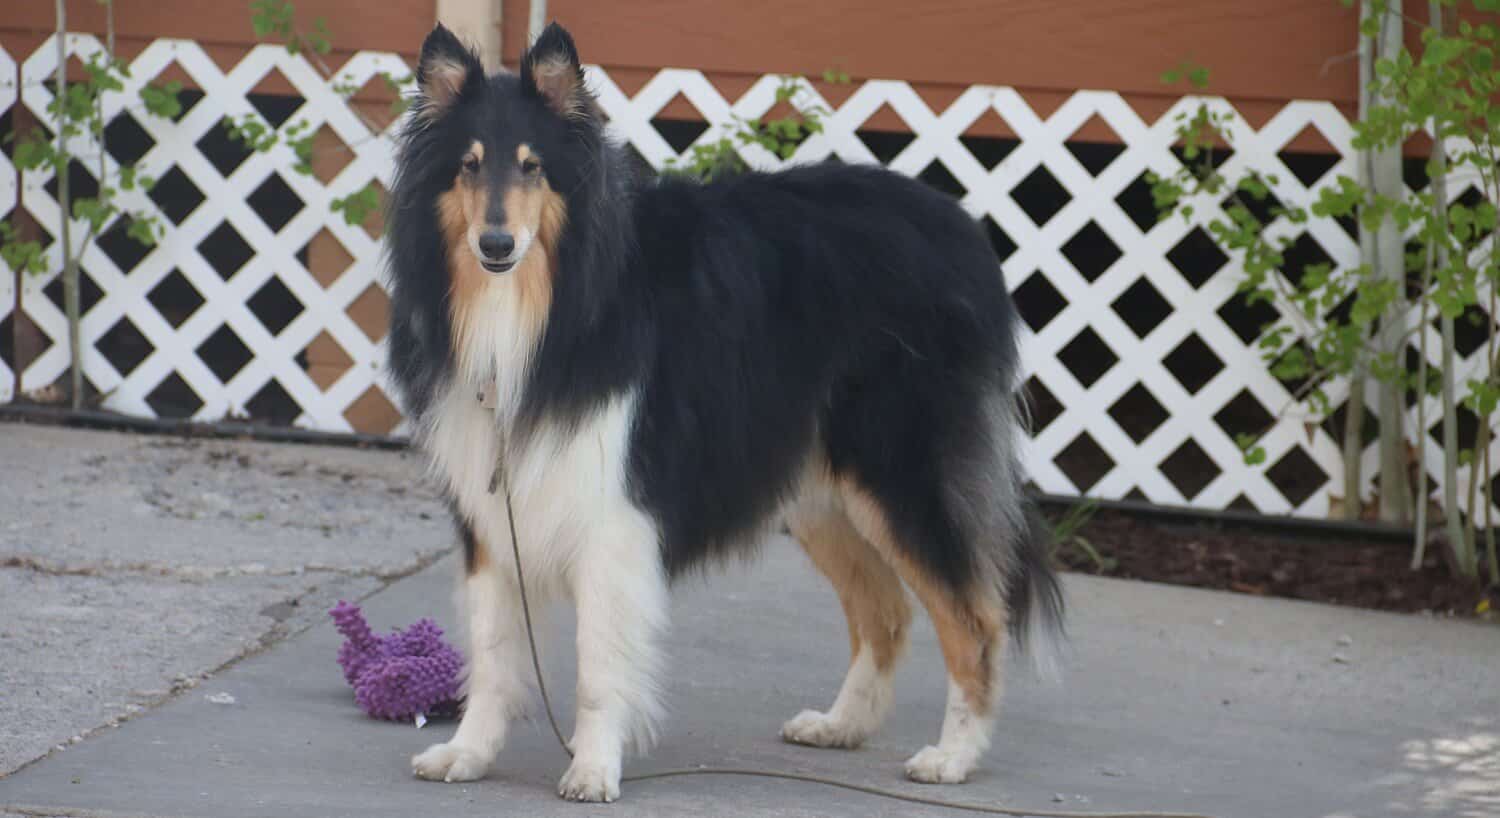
x=1443 y=50
x=162 y=100
x=357 y=206
x=141 y=228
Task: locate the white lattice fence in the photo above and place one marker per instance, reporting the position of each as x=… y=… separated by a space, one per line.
x=9 y=89
x=1141 y=352
x=220 y=247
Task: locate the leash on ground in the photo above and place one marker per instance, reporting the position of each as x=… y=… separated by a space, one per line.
x=501 y=481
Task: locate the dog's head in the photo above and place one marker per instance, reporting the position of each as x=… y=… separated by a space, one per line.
x=501 y=183
x=507 y=149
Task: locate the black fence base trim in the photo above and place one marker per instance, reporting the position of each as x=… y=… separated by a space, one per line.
x=97 y=419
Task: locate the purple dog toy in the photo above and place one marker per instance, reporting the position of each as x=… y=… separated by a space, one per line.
x=403 y=675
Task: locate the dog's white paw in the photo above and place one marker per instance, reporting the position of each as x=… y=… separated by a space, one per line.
x=449 y=762
x=816 y=729
x=590 y=781
x=934 y=765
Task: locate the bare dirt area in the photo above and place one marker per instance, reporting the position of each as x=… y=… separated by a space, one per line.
x=1341 y=569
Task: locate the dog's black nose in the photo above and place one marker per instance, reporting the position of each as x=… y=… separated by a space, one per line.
x=496 y=244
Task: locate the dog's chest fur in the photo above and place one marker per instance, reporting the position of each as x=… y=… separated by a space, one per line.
x=563 y=480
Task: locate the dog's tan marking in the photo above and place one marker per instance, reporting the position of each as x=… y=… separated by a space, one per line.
x=970 y=626
x=476 y=553
x=457 y=209
x=560 y=83
x=477 y=148
x=531 y=208
x=442 y=80
x=523 y=152
x=871 y=594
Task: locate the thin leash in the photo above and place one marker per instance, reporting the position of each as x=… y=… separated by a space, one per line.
x=501 y=480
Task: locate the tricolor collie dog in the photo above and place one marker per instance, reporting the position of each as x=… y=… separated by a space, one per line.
x=666 y=371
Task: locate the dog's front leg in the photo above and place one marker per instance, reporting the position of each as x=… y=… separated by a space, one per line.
x=495 y=689
x=620 y=590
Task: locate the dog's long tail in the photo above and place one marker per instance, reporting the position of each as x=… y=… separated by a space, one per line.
x=1033 y=596
x=1019 y=540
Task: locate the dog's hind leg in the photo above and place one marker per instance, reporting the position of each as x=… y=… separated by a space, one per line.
x=495 y=690
x=878 y=616
x=970 y=624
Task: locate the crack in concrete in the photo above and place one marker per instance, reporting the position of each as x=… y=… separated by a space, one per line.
x=281 y=629
x=203 y=572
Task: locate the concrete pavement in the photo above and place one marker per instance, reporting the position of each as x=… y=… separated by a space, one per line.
x=1171 y=698
x=131 y=565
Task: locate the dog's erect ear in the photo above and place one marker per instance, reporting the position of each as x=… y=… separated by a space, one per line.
x=445 y=71
x=550 y=68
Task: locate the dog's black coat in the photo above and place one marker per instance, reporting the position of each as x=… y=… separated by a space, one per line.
x=831 y=310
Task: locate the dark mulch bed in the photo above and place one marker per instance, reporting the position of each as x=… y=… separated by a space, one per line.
x=1369 y=572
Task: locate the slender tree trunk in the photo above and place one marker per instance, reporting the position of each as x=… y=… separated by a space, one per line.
x=1395 y=496
x=1354 y=408
x=1419 y=543
x=537 y=20
x=1452 y=512
x=64 y=204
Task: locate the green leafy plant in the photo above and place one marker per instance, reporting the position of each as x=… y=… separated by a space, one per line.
x=780 y=136
x=76 y=111
x=1356 y=322
x=1067 y=536
x=277 y=20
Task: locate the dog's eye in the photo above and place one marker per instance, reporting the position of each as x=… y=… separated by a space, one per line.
x=471 y=163
x=531 y=166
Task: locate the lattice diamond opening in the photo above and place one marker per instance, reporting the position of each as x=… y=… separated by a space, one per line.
x=1044 y=406
x=122 y=249
x=1038 y=301
x=124 y=347
x=275 y=306
x=1312 y=158
x=1297 y=476
x=224 y=353
x=176 y=195
x=680 y=133
x=985 y=139
x=173 y=398
x=273 y=404
x=1084 y=462
x=885 y=145
x=1193 y=363
x=89 y=292
x=1303 y=252
x=1040 y=195
x=938 y=176
x=275 y=202
x=225 y=251
x=1091 y=251
x=222 y=151
x=1190 y=469
x=1243 y=415
x=1137 y=202
x=1000 y=240
x=1098 y=149
x=1138 y=413
x=174 y=298
x=1087 y=357
x=1197 y=256
x=126 y=140
x=1248 y=320
x=81 y=182
x=1141 y=307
